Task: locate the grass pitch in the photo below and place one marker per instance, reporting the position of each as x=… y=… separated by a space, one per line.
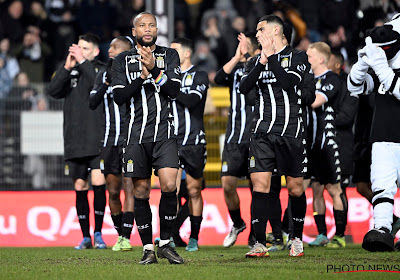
x=210 y=262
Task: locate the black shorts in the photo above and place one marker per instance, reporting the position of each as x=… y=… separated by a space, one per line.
x=362 y=164
x=235 y=160
x=269 y=152
x=193 y=158
x=111 y=160
x=324 y=165
x=79 y=168
x=139 y=159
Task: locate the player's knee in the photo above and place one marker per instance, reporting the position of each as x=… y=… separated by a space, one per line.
x=194 y=192
x=113 y=196
x=169 y=187
x=296 y=192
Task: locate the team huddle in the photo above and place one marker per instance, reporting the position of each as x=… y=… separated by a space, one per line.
x=143 y=111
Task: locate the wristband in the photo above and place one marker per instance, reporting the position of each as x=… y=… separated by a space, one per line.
x=247 y=55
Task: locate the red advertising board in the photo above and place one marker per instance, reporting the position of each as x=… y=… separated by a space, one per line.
x=48 y=218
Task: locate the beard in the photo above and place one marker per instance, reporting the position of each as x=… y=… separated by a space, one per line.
x=146 y=44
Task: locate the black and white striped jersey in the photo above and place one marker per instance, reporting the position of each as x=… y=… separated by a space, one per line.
x=148 y=102
x=277 y=104
x=114 y=115
x=188 y=107
x=324 y=131
x=238 y=129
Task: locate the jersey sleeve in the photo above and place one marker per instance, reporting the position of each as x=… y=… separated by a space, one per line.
x=307 y=87
x=123 y=87
x=197 y=91
x=98 y=91
x=330 y=88
x=252 y=71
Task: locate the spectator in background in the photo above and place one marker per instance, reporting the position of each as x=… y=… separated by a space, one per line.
x=11 y=62
x=98 y=17
x=5 y=79
x=205 y=59
x=62 y=31
x=11 y=22
x=213 y=36
x=32 y=53
x=252 y=10
x=126 y=11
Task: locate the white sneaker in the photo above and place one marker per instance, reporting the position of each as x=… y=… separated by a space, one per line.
x=258 y=251
x=230 y=239
x=296 y=250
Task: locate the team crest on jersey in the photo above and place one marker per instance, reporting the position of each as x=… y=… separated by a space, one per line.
x=285 y=62
x=160 y=62
x=66 y=170
x=252 y=162
x=318 y=84
x=188 y=80
x=129 y=166
x=224 y=167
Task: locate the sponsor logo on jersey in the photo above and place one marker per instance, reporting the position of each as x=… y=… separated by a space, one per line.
x=132 y=58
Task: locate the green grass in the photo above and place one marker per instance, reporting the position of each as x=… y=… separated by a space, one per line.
x=211 y=262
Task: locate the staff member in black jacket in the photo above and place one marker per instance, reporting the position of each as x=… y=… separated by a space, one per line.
x=82 y=132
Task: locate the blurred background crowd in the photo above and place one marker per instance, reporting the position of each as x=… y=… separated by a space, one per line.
x=35 y=36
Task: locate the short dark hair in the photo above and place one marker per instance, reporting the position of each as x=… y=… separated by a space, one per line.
x=184 y=42
x=141 y=14
x=272 y=18
x=339 y=57
x=91 y=38
x=288 y=31
x=126 y=39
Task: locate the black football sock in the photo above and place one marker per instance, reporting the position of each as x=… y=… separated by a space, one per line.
x=82 y=210
x=99 y=206
x=259 y=210
x=182 y=215
x=195 y=223
x=298 y=209
x=128 y=220
x=117 y=221
x=321 y=223
x=285 y=221
x=340 y=219
x=236 y=218
x=167 y=213
x=143 y=219
x=345 y=202
x=275 y=214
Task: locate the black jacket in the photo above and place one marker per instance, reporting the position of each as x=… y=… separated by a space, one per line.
x=348 y=107
x=82 y=126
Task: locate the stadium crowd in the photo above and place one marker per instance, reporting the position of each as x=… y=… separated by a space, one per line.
x=39 y=38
